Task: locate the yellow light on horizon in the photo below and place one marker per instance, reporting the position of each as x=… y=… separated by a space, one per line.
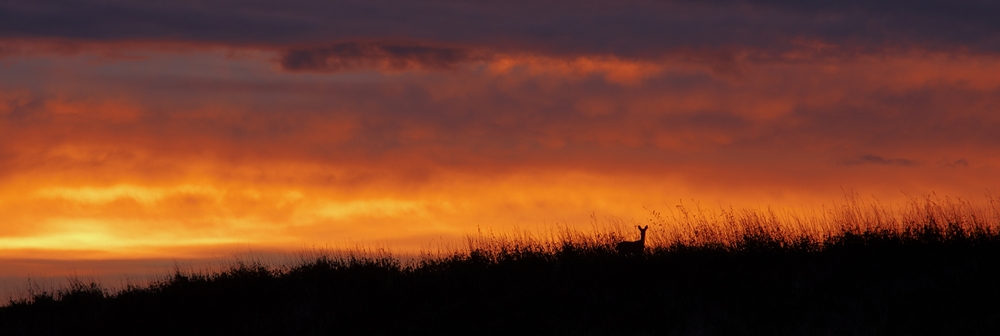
x=141 y=194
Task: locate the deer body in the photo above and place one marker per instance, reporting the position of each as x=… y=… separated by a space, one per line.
x=634 y=247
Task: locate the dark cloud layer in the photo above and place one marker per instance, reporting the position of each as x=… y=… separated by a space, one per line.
x=631 y=28
x=390 y=56
x=879 y=160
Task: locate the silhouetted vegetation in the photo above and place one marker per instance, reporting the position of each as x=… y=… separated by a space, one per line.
x=874 y=275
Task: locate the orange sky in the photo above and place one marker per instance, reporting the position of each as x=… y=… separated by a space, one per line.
x=153 y=147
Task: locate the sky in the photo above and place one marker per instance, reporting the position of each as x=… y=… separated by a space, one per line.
x=186 y=129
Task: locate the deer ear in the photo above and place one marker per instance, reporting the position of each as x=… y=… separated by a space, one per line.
x=647 y=226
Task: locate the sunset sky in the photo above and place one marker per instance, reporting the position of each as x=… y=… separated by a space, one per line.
x=179 y=129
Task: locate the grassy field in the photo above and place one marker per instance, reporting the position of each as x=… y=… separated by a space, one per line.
x=932 y=267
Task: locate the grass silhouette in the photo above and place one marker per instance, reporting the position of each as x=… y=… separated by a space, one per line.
x=932 y=268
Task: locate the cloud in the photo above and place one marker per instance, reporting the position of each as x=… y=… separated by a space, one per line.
x=879 y=160
x=632 y=29
x=378 y=55
x=958 y=163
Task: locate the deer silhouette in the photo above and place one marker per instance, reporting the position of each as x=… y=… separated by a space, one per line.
x=634 y=247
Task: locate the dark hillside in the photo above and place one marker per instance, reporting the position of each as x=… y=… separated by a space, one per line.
x=935 y=279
